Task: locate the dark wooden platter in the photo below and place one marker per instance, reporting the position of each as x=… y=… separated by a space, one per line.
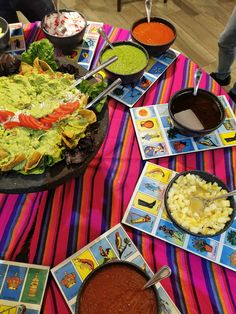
x=13 y=182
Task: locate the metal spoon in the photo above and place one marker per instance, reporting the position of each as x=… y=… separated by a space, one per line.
x=92 y=72
x=197 y=79
x=148 y=7
x=201 y=202
x=104 y=35
x=162 y=273
x=106 y=91
x=60 y=28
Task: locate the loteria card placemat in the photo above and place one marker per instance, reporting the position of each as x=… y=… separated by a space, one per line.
x=146 y=212
x=70 y=274
x=84 y=53
x=130 y=94
x=22 y=284
x=157 y=139
x=17 y=40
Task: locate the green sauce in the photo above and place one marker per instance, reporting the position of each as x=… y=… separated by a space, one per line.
x=130 y=59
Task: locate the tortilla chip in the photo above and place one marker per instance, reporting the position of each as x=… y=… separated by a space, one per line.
x=68 y=142
x=25 y=68
x=89 y=115
x=16 y=160
x=69 y=134
x=3 y=153
x=42 y=65
x=33 y=161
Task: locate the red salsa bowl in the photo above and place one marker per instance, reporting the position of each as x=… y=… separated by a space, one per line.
x=116 y=288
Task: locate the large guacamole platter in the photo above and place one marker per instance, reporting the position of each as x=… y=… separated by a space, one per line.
x=47 y=135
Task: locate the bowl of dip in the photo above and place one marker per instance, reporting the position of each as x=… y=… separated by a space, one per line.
x=196 y=116
x=132 y=61
x=156 y=37
x=66 y=30
x=185 y=209
x=4 y=34
x=116 y=287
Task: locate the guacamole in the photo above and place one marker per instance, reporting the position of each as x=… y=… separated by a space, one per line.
x=130 y=59
x=35 y=93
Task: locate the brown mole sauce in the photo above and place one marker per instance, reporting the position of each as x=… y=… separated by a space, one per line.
x=204 y=107
x=117 y=289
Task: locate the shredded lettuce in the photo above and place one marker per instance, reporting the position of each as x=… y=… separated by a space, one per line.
x=42 y=49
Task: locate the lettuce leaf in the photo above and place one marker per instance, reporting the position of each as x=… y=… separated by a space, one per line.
x=93 y=91
x=42 y=49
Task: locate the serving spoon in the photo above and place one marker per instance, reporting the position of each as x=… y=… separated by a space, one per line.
x=60 y=28
x=104 y=93
x=104 y=35
x=200 y=202
x=162 y=273
x=197 y=79
x=148 y=7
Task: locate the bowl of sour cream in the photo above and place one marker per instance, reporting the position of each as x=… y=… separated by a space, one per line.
x=65 y=29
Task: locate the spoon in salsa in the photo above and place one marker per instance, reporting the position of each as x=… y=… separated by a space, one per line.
x=148 y=7
x=104 y=35
x=162 y=273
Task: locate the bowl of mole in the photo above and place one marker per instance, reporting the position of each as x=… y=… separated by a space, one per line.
x=132 y=61
x=65 y=29
x=195 y=116
x=184 y=202
x=156 y=36
x=117 y=288
x=4 y=34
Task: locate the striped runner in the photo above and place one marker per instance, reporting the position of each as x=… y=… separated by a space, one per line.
x=59 y=222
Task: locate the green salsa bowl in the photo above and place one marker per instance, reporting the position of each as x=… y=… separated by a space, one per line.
x=132 y=61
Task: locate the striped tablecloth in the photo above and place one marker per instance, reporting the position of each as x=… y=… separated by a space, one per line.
x=51 y=225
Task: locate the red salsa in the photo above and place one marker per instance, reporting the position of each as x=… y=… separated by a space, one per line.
x=117 y=289
x=153 y=33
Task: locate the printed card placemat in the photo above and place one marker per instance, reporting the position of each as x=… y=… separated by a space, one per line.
x=17 y=40
x=22 y=284
x=146 y=212
x=70 y=274
x=130 y=94
x=157 y=139
x=83 y=54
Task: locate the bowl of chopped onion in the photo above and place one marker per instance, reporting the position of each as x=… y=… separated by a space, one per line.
x=185 y=207
x=65 y=29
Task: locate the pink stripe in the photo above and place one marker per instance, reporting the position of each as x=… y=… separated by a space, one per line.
x=219 y=159
x=6 y=212
x=65 y=222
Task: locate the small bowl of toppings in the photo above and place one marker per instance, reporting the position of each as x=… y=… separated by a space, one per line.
x=64 y=29
x=196 y=115
x=185 y=203
x=131 y=63
x=122 y=291
x=156 y=36
x=4 y=34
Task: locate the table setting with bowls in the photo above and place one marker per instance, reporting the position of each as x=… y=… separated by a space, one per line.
x=195 y=112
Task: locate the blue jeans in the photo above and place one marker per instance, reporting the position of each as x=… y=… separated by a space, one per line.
x=227 y=49
x=34 y=10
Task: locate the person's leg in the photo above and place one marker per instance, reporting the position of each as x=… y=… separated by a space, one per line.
x=8 y=12
x=35 y=10
x=227 y=47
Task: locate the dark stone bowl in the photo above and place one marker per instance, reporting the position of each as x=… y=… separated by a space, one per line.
x=5 y=38
x=154 y=50
x=191 y=132
x=66 y=44
x=208 y=177
x=126 y=78
x=112 y=263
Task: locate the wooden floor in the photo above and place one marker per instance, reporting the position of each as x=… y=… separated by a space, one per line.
x=198 y=22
